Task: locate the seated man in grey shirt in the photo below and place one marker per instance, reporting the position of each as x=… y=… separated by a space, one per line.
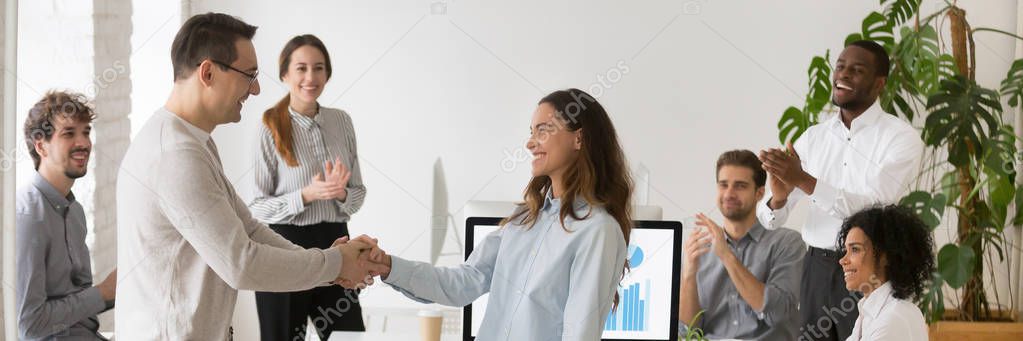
x=55 y=296
x=748 y=284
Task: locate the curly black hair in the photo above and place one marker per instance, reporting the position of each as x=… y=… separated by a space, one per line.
x=900 y=235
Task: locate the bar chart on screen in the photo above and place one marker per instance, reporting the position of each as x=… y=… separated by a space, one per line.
x=645 y=292
x=633 y=312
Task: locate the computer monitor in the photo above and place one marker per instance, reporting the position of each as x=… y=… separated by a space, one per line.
x=648 y=295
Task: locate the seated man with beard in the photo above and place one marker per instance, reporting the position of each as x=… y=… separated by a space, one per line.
x=748 y=287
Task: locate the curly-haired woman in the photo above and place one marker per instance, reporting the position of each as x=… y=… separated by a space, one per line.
x=888 y=257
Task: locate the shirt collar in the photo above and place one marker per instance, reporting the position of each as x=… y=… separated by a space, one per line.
x=50 y=193
x=754 y=234
x=756 y=231
x=868 y=118
x=302 y=120
x=872 y=305
x=552 y=203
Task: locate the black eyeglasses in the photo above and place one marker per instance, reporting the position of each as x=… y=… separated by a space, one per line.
x=251 y=77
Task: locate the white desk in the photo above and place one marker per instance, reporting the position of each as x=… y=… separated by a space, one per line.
x=397 y=336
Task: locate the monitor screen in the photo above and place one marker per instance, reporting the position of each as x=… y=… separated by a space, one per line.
x=648 y=294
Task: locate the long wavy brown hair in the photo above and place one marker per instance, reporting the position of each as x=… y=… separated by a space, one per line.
x=277 y=118
x=599 y=174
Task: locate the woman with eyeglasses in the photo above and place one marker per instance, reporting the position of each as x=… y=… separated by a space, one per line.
x=308 y=185
x=553 y=267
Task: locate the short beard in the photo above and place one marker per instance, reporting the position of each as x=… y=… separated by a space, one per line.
x=738 y=214
x=72 y=175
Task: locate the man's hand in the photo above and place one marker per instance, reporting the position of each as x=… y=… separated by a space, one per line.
x=108 y=289
x=785 y=166
x=779 y=192
x=358 y=266
x=696 y=245
x=717 y=236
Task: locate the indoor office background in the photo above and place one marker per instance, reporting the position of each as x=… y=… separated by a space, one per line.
x=441 y=93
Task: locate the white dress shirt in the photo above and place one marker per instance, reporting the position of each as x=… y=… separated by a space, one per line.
x=545 y=283
x=186 y=241
x=886 y=318
x=872 y=162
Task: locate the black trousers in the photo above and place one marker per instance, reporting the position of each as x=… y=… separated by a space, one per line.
x=827 y=309
x=282 y=315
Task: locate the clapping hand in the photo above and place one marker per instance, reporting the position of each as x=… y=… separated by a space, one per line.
x=328 y=185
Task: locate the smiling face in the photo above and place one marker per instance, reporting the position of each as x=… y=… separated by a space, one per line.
x=68 y=149
x=855 y=79
x=554 y=148
x=737 y=193
x=306 y=76
x=232 y=88
x=863 y=272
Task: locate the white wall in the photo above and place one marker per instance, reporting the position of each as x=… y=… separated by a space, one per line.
x=459 y=85
x=702 y=77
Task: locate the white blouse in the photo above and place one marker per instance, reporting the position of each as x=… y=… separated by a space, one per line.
x=884 y=317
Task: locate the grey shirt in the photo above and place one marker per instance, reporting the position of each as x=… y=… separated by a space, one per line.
x=775 y=258
x=55 y=297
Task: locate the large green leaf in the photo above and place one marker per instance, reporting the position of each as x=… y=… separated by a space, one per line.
x=955 y=264
x=962 y=112
x=916 y=68
x=1018 y=218
x=819 y=81
x=929 y=209
x=899 y=11
x=950 y=187
x=933 y=303
x=793 y=123
x=1012 y=86
x=877 y=28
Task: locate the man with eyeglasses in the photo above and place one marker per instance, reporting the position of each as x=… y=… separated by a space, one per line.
x=187 y=239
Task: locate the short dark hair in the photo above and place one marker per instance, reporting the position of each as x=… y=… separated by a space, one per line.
x=898 y=234
x=39 y=125
x=743 y=158
x=207 y=36
x=881 y=62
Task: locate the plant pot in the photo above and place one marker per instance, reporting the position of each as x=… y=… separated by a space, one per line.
x=976 y=331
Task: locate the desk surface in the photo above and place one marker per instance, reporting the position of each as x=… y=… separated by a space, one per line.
x=375 y=336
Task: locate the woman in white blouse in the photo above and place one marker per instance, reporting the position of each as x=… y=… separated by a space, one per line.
x=308 y=185
x=888 y=257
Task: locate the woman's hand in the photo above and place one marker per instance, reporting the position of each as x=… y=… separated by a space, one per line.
x=331 y=186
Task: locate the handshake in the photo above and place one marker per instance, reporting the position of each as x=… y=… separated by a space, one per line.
x=361 y=260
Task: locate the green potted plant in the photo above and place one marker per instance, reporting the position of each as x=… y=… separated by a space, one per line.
x=969 y=166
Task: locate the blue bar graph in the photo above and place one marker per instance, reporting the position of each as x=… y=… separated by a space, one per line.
x=633 y=312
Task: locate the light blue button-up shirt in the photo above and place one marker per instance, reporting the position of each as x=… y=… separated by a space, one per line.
x=545 y=283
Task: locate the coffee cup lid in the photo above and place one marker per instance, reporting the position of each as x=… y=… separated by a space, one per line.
x=430 y=313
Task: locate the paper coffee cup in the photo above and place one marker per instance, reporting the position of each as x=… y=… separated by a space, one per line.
x=430 y=324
